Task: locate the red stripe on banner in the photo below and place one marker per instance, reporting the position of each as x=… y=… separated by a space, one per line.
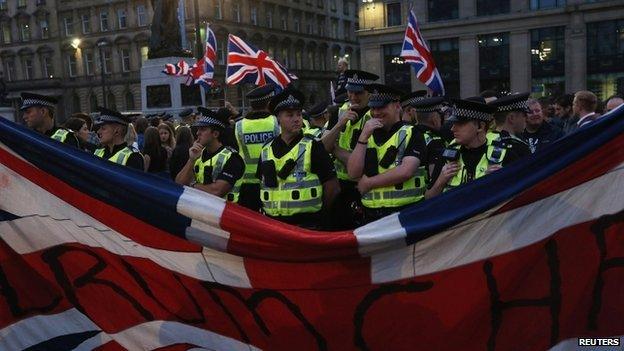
x=112 y=217
x=282 y=242
x=110 y=346
x=568 y=285
x=591 y=166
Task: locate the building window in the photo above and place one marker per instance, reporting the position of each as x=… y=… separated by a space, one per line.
x=393 y=14
x=347 y=30
x=605 y=54
x=44 y=29
x=445 y=53
x=104 y=21
x=111 y=101
x=3 y=5
x=75 y=103
x=93 y=102
x=122 y=18
x=284 y=57
x=71 y=65
x=310 y=28
x=548 y=61
x=46 y=66
x=332 y=5
x=396 y=72
x=141 y=16
x=321 y=28
x=334 y=28
x=492 y=7
x=284 y=23
x=254 y=16
x=108 y=61
x=129 y=101
x=299 y=58
x=269 y=18
x=441 y=10
x=88 y=62
x=345 y=8
x=27 y=65
x=546 y=4
x=320 y=4
x=21 y=3
x=297 y=25
x=124 y=55
x=6 y=32
x=236 y=12
x=85 y=19
x=494 y=62
x=9 y=69
x=222 y=51
x=25 y=31
x=217 y=9
x=69 y=26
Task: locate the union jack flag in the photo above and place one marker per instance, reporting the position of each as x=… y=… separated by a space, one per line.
x=246 y=64
x=202 y=72
x=180 y=69
x=416 y=52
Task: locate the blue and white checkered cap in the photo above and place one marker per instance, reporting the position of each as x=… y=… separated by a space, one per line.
x=30 y=100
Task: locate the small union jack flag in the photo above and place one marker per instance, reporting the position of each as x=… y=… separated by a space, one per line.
x=202 y=72
x=416 y=52
x=246 y=64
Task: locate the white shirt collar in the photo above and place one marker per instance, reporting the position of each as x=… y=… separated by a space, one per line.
x=580 y=121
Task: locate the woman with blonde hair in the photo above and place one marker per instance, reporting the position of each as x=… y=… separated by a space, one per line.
x=167 y=138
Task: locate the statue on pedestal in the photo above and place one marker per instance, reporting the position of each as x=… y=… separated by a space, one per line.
x=166 y=40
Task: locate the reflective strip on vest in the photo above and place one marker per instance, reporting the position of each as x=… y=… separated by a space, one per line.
x=251 y=134
x=394 y=196
x=60 y=135
x=217 y=162
x=301 y=191
x=494 y=155
x=345 y=137
x=120 y=157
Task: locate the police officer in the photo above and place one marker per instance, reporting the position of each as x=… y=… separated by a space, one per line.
x=387 y=157
x=256 y=128
x=429 y=118
x=112 y=127
x=342 y=138
x=511 y=119
x=212 y=167
x=409 y=114
x=187 y=117
x=38 y=113
x=317 y=115
x=471 y=155
x=298 y=180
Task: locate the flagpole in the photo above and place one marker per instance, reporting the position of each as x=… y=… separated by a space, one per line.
x=203 y=94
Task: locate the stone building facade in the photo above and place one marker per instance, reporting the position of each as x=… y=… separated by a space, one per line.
x=57 y=47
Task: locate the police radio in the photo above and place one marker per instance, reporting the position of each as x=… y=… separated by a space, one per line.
x=451 y=155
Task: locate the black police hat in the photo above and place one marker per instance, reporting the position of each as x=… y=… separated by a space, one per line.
x=514 y=102
x=381 y=95
x=289 y=98
x=480 y=99
x=318 y=109
x=108 y=116
x=341 y=98
x=262 y=93
x=431 y=104
x=358 y=80
x=210 y=118
x=30 y=100
x=411 y=98
x=466 y=110
x=185 y=113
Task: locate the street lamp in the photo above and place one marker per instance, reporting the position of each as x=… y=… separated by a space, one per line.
x=75 y=43
x=102 y=43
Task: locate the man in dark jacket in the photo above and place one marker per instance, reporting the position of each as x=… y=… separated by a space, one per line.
x=538 y=131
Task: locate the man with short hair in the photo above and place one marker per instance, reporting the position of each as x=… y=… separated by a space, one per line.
x=407 y=100
x=511 y=119
x=563 y=113
x=430 y=119
x=212 y=167
x=317 y=117
x=112 y=128
x=38 y=113
x=341 y=67
x=613 y=102
x=539 y=132
x=584 y=106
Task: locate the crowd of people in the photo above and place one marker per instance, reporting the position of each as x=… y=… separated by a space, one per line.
x=336 y=165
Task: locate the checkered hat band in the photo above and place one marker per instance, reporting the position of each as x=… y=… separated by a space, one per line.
x=209 y=121
x=412 y=100
x=358 y=81
x=113 y=119
x=471 y=114
x=433 y=108
x=520 y=105
x=37 y=102
x=290 y=101
x=262 y=98
x=383 y=97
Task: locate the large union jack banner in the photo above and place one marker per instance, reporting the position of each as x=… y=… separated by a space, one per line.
x=247 y=64
x=97 y=256
x=416 y=52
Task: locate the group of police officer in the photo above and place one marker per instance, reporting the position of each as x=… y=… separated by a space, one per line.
x=374 y=153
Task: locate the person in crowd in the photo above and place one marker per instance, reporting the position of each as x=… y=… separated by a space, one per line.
x=140 y=125
x=584 y=107
x=93 y=140
x=538 y=131
x=251 y=132
x=38 y=113
x=407 y=100
x=318 y=117
x=179 y=157
x=429 y=119
x=564 y=115
x=511 y=120
x=79 y=128
x=613 y=102
x=112 y=128
x=154 y=120
x=154 y=152
x=471 y=155
x=167 y=138
x=187 y=117
x=387 y=157
x=212 y=167
x=297 y=178
x=131 y=137
x=341 y=139
x=341 y=81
